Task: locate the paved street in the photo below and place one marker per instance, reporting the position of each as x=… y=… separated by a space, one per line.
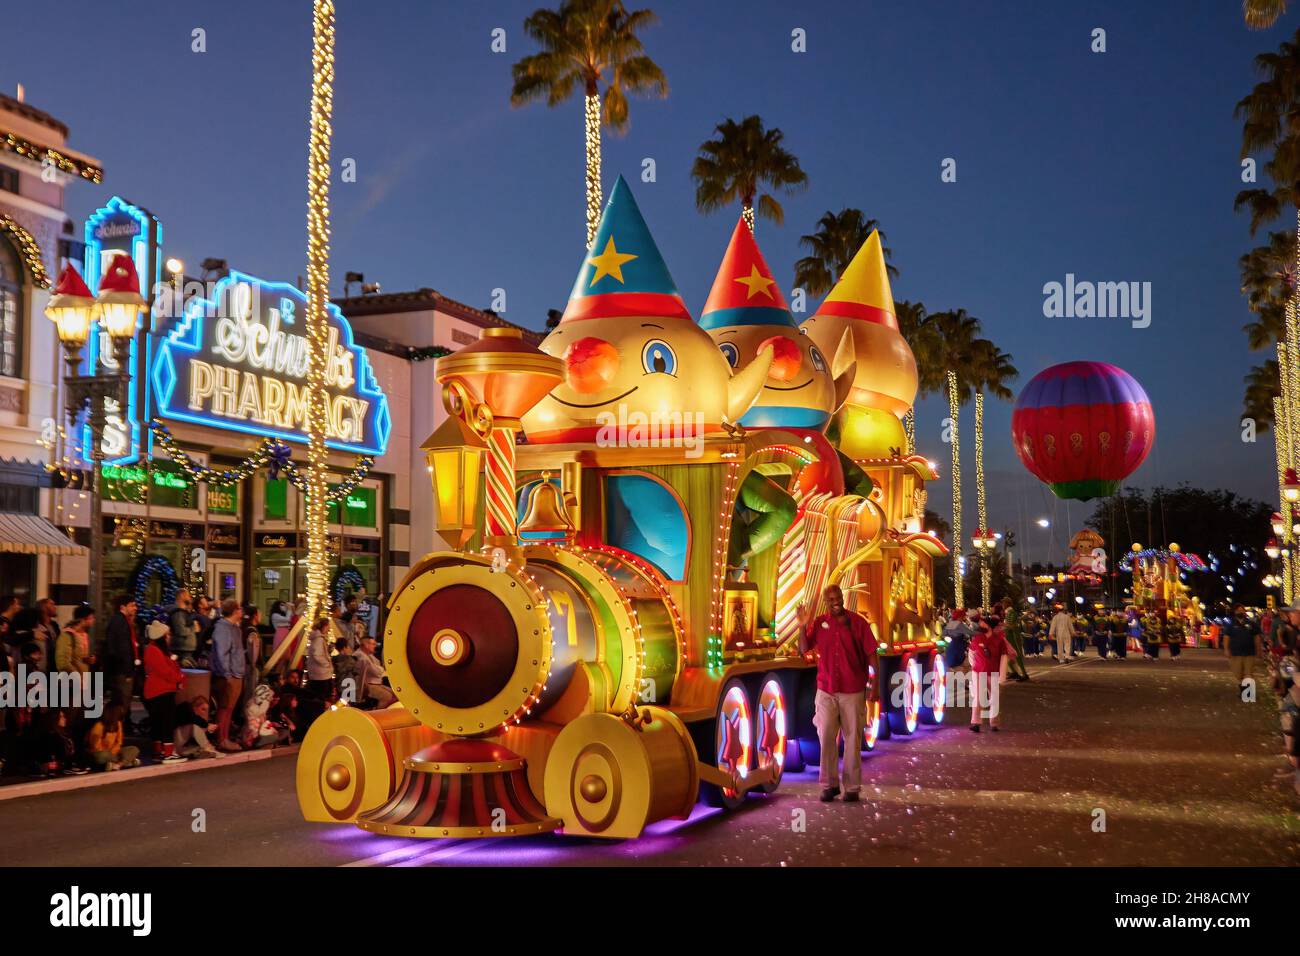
x=1183 y=771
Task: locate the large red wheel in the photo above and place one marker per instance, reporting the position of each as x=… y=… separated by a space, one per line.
x=871 y=724
x=770 y=729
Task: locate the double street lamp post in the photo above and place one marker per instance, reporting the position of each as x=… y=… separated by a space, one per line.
x=74 y=310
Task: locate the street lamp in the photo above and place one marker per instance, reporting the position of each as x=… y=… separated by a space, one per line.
x=1291 y=486
x=1276 y=523
x=1271 y=548
x=117 y=309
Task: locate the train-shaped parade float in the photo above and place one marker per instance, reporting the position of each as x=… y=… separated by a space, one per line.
x=635 y=510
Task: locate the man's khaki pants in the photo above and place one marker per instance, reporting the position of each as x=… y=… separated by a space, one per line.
x=832 y=714
x=1241 y=666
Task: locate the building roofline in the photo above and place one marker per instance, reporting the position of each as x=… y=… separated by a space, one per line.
x=30 y=112
x=425 y=300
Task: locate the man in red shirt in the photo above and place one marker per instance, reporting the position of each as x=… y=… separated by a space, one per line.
x=987 y=650
x=846 y=662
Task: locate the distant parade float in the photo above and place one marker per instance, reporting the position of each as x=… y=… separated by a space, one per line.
x=614 y=635
x=1082 y=428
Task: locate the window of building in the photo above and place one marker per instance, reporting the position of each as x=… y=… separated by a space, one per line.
x=275 y=499
x=360 y=510
x=170 y=488
x=11 y=313
x=8 y=179
x=223 y=499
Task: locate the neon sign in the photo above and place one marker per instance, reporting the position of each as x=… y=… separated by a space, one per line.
x=119 y=226
x=239 y=361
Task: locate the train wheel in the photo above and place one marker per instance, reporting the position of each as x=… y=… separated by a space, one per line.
x=733 y=747
x=871 y=725
x=904 y=719
x=770 y=742
x=934 y=698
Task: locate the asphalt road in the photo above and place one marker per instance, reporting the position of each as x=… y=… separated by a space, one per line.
x=1183 y=771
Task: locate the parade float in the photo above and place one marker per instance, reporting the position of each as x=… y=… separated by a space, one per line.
x=1160 y=590
x=613 y=634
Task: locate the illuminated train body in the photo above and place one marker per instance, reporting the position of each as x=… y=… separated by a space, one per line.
x=613 y=635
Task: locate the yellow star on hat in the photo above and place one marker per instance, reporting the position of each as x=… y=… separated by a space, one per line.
x=609 y=263
x=756 y=282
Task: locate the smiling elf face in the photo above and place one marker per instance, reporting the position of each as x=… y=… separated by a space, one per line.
x=746 y=312
x=630 y=348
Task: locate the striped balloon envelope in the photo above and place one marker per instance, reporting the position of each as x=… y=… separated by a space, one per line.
x=1083 y=427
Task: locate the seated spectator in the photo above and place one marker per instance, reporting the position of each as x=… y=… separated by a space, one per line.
x=48 y=748
x=194 y=724
x=372 y=675
x=284 y=705
x=104 y=747
x=259 y=730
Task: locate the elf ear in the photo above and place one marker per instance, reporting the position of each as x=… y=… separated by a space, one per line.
x=844 y=367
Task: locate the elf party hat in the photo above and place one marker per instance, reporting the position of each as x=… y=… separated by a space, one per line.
x=623 y=273
x=744 y=292
x=863 y=290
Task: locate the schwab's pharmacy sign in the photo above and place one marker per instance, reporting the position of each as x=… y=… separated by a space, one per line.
x=238 y=360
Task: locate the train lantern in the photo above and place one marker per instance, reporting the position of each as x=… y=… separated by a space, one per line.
x=613 y=634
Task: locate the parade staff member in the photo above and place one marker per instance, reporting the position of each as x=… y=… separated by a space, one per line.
x=1243 y=646
x=846 y=660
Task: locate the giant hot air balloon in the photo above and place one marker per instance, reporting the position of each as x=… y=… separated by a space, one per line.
x=1083 y=427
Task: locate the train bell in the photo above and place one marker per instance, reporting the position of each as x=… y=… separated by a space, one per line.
x=546 y=511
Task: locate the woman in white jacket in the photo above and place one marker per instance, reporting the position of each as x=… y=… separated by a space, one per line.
x=320 y=667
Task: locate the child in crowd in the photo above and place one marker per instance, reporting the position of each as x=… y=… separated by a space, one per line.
x=48 y=748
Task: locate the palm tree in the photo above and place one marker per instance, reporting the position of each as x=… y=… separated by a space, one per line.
x=992 y=370
x=1262 y=387
x=586 y=43
x=958 y=332
x=1262 y=14
x=1268 y=282
x=743 y=158
x=927 y=347
x=1268 y=115
x=832 y=247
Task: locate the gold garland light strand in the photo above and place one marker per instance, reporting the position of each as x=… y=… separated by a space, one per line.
x=318 y=237
x=593 y=166
x=1281 y=444
x=959 y=599
x=986 y=573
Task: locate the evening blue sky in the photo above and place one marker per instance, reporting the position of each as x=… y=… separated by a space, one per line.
x=1119 y=166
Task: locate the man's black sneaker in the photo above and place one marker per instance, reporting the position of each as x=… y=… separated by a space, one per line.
x=829 y=794
x=974 y=728
x=851 y=797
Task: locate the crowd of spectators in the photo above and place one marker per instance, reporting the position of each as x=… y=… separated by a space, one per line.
x=193 y=681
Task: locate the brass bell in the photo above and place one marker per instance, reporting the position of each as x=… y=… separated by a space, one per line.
x=546 y=511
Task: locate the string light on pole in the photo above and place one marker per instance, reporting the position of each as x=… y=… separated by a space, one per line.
x=593 y=164
x=318 y=237
x=985 y=554
x=954 y=408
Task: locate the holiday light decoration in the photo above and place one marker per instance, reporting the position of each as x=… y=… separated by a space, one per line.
x=594 y=191
x=271 y=453
x=986 y=553
x=318 y=237
x=48 y=155
x=954 y=410
x=28 y=249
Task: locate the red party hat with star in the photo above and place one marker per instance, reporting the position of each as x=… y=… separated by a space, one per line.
x=744 y=292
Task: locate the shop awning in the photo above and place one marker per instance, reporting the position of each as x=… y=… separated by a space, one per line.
x=32 y=534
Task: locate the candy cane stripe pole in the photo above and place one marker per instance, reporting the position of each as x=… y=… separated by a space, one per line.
x=501 y=517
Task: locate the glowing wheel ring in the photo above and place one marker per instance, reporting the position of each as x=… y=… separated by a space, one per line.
x=938 y=688
x=733 y=742
x=770 y=716
x=871 y=726
x=911 y=693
